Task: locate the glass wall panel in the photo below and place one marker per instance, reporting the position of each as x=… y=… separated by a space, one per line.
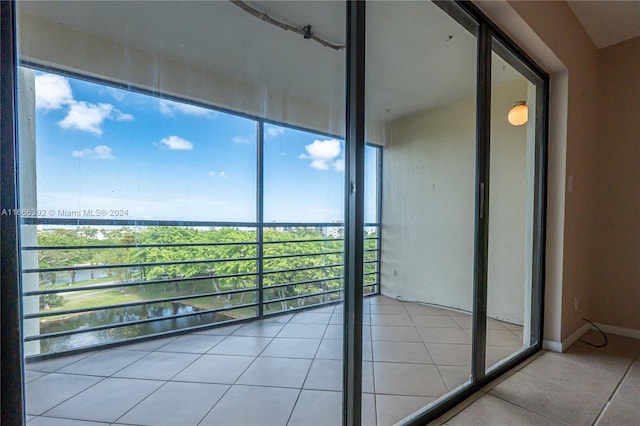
x=182 y=190
x=137 y=206
x=177 y=173
x=421 y=108
x=303 y=177
x=372 y=234
x=104 y=152
x=511 y=202
x=303 y=183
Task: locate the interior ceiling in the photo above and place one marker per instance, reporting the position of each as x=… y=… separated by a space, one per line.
x=608 y=22
x=417 y=57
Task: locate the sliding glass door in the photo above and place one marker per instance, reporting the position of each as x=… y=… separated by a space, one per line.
x=269 y=212
x=516 y=105
x=421 y=91
x=460 y=116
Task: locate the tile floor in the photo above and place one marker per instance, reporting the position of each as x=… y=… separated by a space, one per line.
x=583 y=386
x=284 y=370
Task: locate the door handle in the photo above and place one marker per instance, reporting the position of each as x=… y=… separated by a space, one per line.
x=481 y=200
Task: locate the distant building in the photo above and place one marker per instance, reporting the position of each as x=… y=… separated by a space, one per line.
x=333 y=231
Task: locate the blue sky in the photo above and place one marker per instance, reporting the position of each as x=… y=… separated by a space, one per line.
x=103 y=148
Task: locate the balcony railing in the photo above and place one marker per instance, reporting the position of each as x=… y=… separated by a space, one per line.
x=97 y=282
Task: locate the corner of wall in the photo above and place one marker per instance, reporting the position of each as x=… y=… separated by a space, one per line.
x=617 y=175
x=563 y=345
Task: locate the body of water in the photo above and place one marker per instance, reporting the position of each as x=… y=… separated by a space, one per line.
x=121 y=315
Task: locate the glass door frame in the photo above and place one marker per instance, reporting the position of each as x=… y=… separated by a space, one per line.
x=354 y=214
x=13 y=404
x=468 y=15
x=12 y=366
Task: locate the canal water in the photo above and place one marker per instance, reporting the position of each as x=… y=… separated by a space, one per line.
x=121 y=315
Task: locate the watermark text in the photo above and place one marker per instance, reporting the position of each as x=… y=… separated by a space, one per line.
x=65 y=212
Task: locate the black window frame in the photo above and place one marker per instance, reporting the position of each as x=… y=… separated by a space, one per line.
x=13 y=412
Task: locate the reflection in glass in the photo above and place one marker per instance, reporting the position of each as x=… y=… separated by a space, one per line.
x=421 y=108
x=511 y=197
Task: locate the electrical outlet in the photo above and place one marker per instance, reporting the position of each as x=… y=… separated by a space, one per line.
x=570 y=183
x=576 y=304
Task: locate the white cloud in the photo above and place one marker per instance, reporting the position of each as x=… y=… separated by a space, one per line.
x=86 y=117
x=52 y=91
x=177 y=143
x=89 y=117
x=324 y=154
x=169 y=108
x=120 y=116
x=222 y=175
x=117 y=94
x=272 y=131
x=319 y=165
x=240 y=139
x=100 y=152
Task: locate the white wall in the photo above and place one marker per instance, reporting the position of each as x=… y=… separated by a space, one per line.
x=28 y=200
x=511 y=206
x=428 y=203
x=428 y=207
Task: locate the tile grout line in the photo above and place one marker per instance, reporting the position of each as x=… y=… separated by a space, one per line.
x=615 y=390
x=523 y=408
x=170 y=380
x=309 y=370
x=520 y=369
x=73 y=396
x=243 y=371
x=103 y=378
x=438 y=367
x=373 y=372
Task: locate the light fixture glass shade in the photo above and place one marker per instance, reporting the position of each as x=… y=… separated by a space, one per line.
x=518 y=114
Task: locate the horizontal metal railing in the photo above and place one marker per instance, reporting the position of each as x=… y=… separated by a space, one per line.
x=130 y=304
x=301 y=284
x=129 y=323
x=132 y=284
x=134 y=265
x=336 y=278
x=159 y=245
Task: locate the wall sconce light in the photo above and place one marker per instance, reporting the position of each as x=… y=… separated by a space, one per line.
x=518 y=114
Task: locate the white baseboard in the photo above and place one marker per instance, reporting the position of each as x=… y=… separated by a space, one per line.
x=552 y=345
x=619 y=331
x=556 y=346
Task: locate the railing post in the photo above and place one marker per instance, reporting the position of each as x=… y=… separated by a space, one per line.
x=260 y=214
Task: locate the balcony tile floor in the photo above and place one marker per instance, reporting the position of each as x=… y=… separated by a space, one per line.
x=283 y=370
